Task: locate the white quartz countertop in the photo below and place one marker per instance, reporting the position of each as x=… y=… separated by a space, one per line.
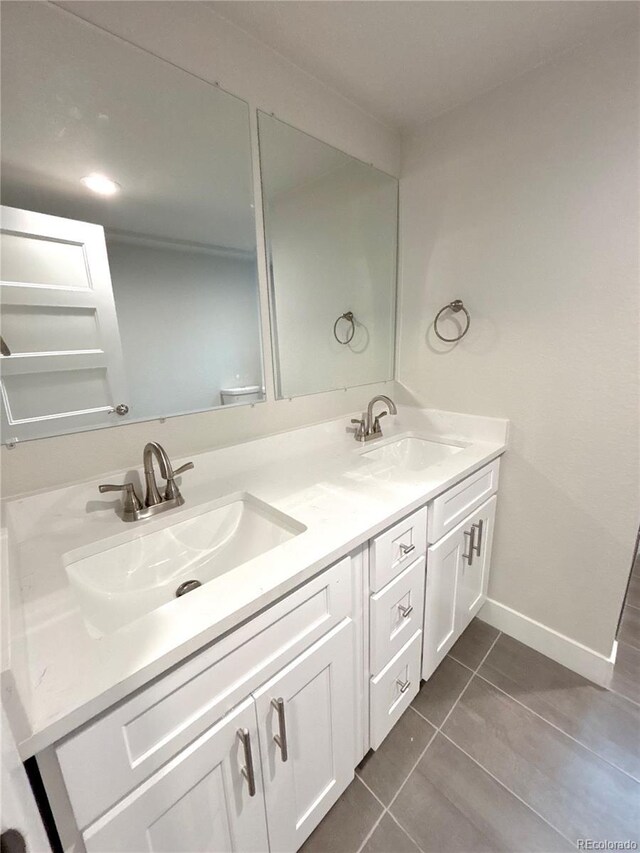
x=57 y=675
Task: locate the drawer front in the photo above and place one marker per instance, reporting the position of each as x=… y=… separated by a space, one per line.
x=133 y=740
x=450 y=508
x=398 y=547
x=396 y=614
x=394 y=688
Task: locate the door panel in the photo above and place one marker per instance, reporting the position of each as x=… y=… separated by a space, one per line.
x=62 y=366
x=199 y=801
x=315 y=724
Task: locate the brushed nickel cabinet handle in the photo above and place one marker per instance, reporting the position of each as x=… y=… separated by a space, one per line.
x=472 y=535
x=281 y=737
x=406 y=549
x=406 y=611
x=403 y=685
x=247 y=771
x=480 y=527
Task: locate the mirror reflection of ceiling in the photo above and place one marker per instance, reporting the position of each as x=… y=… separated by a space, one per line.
x=78 y=101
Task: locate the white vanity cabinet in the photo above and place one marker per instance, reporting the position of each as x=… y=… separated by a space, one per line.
x=245 y=746
x=458 y=562
x=423 y=595
x=261 y=778
x=305 y=716
x=199 y=801
x=396 y=578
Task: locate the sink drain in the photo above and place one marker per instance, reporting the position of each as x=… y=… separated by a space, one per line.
x=187 y=586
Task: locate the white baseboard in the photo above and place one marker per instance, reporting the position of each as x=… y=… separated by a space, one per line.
x=558 y=647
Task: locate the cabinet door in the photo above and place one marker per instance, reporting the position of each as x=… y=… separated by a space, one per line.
x=444 y=560
x=474 y=571
x=305 y=717
x=199 y=801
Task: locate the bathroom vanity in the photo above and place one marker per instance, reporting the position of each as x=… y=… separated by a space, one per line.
x=238 y=712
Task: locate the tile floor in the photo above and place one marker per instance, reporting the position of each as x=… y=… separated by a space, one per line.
x=502 y=750
x=626 y=675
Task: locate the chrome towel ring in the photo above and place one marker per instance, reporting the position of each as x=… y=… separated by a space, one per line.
x=348 y=316
x=455 y=306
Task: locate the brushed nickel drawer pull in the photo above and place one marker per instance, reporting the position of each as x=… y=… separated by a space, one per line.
x=479 y=526
x=281 y=737
x=247 y=771
x=406 y=549
x=406 y=611
x=403 y=685
x=472 y=535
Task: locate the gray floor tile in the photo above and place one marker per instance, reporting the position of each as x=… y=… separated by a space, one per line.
x=451 y=804
x=605 y=722
x=439 y=693
x=474 y=643
x=629 y=632
x=386 y=769
x=574 y=790
x=348 y=823
x=626 y=673
x=389 y=838
x=633 y=595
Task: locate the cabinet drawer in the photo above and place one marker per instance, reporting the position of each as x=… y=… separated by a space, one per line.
x=396 y=548
x=112 y=755
x=396 y=614
x=450 y=508
x=394 y=688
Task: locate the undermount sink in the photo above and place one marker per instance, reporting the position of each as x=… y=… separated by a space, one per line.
x=411 y=453
x=121 y=582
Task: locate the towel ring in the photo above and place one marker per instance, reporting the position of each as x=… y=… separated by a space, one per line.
x=454 y=306
x=348 y=316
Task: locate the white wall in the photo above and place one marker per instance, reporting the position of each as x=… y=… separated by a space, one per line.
x=191 y=36
x=524 y=203
x=189 y=325
x=333 y=249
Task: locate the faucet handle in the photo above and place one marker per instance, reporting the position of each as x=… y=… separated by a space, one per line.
x=172 y=492
x=131 y=502
x=186 y=467
x=361 y=428
x=377 y=429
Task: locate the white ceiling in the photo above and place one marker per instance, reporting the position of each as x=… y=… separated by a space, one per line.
x=405 y=61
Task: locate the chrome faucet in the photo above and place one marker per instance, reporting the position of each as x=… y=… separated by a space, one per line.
x=154 y=502
x=369 y=426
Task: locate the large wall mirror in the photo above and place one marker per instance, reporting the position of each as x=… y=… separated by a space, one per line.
x=331 y=225
x=129 y=286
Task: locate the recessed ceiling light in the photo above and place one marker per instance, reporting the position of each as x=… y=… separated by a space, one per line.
x=100 y=184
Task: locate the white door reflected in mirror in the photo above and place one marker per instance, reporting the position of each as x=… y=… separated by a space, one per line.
x=158 y=162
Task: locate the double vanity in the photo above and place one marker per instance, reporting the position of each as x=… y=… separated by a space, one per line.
x=210 y=676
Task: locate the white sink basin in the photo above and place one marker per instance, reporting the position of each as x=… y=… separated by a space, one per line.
x=121 y=582
x=411 y=453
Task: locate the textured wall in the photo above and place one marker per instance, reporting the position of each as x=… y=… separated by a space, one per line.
x=525 y=204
